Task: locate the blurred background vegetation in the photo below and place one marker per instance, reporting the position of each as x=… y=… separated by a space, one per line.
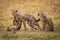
x=50 y=7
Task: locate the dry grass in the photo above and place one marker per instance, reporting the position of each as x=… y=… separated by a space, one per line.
x=30 y=35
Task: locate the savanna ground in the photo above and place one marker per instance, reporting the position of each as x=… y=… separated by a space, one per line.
x=50 y=7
